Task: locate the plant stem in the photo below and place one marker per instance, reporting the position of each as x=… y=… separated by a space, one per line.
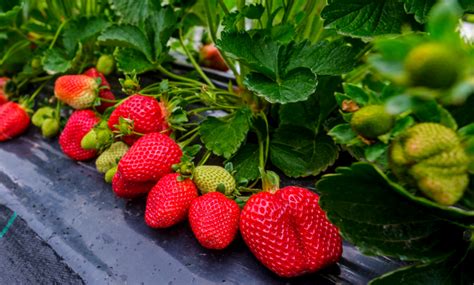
x=193 y=61
x=177 y=77
x=205 y=157
x=58 y=31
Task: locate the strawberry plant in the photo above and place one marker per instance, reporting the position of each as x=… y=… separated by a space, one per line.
x=387 y=83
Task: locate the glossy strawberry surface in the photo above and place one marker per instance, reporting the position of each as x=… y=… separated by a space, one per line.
x=130 y=189
x=14 y=120
x=169 y=200
x=78 y=91
x=104 y=93
x=214 y=220
x=143 y=111
x=150 y=158
x=289 y=233
x=78 y=125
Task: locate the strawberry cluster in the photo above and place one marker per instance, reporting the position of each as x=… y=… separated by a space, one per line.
x=285 y=229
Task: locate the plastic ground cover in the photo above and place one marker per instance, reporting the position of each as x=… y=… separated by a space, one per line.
x=99 y=238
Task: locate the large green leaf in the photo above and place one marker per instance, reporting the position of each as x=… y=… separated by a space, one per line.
x=455 y=270
x=420 y=8
x=81 y=29
x=300 y=152
x=327 y=58
x=245 y=162
x=56 y=61
x=162 y=23
x=223 y=136
x=364 y=18
x=9 y=17
x=295 y=86
x=127 y=36
x=273 y=76
x=379 y=221
x=130 y=60
x=134 y=12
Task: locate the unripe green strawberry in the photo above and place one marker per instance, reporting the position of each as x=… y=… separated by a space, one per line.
x=110 y=158
x=210 y=178
x=105 y=64
x=430 y=156
x=372 y=121
x=89 y=141
x=109 y=175
x=41 y=115
x=98 y=138
x=433 y=65
x=50 y=127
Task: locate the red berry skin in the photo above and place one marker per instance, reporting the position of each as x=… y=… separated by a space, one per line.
x=105 y=93
x=3 y=98
x=214 y=220
x=211 y=57
x=168 y=202
x=129 y=189
x=150 y=158
x=144 y=111
x=78 y=91
x=14 y=120
x=78 y=125
x=289 y=233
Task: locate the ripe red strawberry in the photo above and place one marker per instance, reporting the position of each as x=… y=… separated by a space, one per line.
x=14 y=120
x=211 y=57
x=214 y=220
x=168 y=202
x=289 y=233
x=78 y=125
x=129 y=189
x=144 y=111
x=150 y=158
x=78 y=91
x=103 y=92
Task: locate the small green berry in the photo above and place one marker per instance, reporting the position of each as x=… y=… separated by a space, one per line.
x=372 y=121
x=50 y=128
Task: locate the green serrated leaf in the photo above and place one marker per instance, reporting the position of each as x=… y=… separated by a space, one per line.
x=245 y=162
x=127 y=36
x=454 y=270
x=300 y=152
x=283 y=90
x=364 y=18
x=361 y=202
x=130 y=60
x=132 y=11
x=56 y=61
x=223 y=136
x=81 y=29
x=444 y=20
x=420 y=8
x=254 y=11
x=343 y=134
x=9 y=17
x=327 y=58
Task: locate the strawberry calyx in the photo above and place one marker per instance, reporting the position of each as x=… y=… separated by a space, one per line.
x=270 y=181
x=130 y=85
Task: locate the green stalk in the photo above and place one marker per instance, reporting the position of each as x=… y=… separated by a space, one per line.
x=213 y=34
x=205 y=157
x=177 y=77
x=58 y=31
x=193 y=61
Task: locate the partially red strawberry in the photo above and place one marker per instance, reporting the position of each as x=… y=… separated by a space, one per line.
x=143 y=111
x=289 y=233
x=211 y=57
x=78 y=125
x=168 y=202
x=164 y=125
x=214 y=220
x=104 y=92
x=3 y=96
x=129 y=189
x=150 y=158
x=78 y=91
x=14 y=120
